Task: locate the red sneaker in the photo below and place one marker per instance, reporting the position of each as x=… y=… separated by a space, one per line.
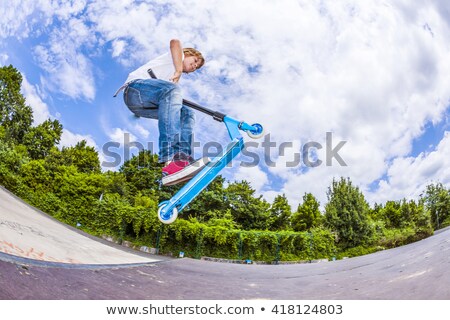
x=182 y=168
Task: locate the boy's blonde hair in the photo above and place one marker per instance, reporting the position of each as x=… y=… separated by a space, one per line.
x=194 y=52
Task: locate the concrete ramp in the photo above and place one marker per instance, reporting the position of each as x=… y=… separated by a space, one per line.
x=28 y=233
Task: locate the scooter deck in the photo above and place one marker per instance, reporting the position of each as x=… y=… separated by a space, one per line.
x=168 y=210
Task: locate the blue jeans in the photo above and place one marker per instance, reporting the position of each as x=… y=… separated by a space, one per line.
x=162 y=100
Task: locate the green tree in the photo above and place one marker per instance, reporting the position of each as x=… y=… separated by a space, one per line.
x=80 y=191
x=210 y=203
x=35 y=175
x=82 y=156
x=437 y=201
x=116 y=183
x=346 y=213
x=307 y=215
x=248 y=211
x=15 y=116
x=416 y=216
x=391 y=214
x=142 y=172
x=11 y=160
x=280 y=213
x=222 y=219
x=41 y=139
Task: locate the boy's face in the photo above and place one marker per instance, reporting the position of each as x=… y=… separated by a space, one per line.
x=190 y=64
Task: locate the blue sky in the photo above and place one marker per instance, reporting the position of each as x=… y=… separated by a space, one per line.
x=374 y=74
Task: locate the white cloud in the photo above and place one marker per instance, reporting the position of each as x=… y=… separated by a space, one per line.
x=371 y=73
x=118 y=47
x=69 y=70
x=255 y=175
x=14 y=18
x=60 y=55
x=118 y=135
x=366 y=73
x=143 y=132
x=3 y=58
x=70 y=139
x=21 y=18
x=34 y=100
x=407 y=177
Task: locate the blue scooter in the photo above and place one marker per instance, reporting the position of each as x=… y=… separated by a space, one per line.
x=168 y=210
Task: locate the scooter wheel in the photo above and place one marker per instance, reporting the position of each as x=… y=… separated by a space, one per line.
x=168 y=217
x=257 y=132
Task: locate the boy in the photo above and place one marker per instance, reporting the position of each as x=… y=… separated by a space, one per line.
x=160 y=98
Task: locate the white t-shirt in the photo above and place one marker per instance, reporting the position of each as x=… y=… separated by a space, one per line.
x=162 y=67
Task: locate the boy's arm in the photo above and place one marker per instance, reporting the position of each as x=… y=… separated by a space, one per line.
x=177 y=57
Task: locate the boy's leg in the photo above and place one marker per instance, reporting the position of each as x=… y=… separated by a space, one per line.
x=169 y=112
x=191 y=167
x=162 y=100
x=187 y=122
